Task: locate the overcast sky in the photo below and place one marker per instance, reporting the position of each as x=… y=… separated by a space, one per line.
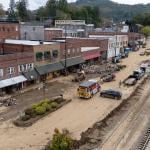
x=34 y=4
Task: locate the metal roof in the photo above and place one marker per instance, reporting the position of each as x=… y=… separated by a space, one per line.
x=59 y=65
x=85 y=49
x=73 y=61
x=87 y=83
x=31 y=75
x=12 y=81
x=27 y=42
x=49 y=68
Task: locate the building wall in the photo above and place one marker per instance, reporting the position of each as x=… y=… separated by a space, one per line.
x=14 y=60
x=51 y=34
x=28 y=32
x=9 y=30
x=15 y=48
x=48 y=50
x=34 y=49
x=74 y=46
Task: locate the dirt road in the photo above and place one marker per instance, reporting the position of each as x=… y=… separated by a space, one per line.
x=129 y=129
x=77 y=116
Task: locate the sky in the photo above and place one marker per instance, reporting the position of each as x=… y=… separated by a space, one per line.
x=34 y=4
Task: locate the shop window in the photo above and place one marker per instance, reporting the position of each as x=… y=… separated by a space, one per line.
x=11 y=70
x=47 y=55
x=30 y=66
x=39 y=56
x=55 y=53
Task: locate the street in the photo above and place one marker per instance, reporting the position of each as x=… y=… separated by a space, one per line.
x=76 y=116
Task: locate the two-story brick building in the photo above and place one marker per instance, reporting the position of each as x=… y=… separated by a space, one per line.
x=46 y=54
x=11 y=68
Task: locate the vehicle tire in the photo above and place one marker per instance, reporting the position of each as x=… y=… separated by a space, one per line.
x=102 y=95
x=117 y=98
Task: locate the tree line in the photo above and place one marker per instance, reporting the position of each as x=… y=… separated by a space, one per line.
x=54 y=9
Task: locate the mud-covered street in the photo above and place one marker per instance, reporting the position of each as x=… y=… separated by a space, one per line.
x=76 y=116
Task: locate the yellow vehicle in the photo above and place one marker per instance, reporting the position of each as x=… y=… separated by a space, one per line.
x=88 y=88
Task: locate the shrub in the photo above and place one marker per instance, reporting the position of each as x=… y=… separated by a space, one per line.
x=60 y=141
x=54 y=105
x=47 y=106
x=40 y=110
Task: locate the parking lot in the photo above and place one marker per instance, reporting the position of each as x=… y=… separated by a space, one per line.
x=77 y=116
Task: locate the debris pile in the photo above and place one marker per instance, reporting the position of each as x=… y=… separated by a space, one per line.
x=8 y=102
x=103 y=70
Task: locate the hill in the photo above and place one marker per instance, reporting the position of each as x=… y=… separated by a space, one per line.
x=115 y=11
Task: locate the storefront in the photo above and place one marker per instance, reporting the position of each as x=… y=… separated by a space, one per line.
x=12 y=84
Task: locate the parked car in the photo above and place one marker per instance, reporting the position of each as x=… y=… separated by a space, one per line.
x=109 y=78
x=116 y=59
x=130 y=80
x=124 y=55
x=111 y=94
x=139 y=73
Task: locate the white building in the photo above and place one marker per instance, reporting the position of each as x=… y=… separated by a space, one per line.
x=116 y=44
x=74 y=28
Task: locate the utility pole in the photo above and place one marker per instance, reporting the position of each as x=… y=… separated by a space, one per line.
x=116 y=41
x=65 y=69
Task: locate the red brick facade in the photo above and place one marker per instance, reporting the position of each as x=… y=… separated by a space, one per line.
x=9 y=30
x=14 y=60
x=50 y=34
x=74 y=46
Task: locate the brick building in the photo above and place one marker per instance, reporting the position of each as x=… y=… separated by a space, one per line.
x=11 y=68
x=101 y=44
x=9 y=30
x=52 y=33
x=46 y=56
x=75 y=47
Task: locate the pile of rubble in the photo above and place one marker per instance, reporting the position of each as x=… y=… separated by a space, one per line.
x=103 y=69
x=8 y=102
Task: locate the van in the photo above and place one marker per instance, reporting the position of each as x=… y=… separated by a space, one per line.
x=88 y=89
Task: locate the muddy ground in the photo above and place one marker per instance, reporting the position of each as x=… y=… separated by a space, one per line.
x=28 y=98
x=76 y=116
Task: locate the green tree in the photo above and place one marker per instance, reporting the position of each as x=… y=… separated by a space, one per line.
x=146 y=31
x=63 y=5
x=61 y=141
x=2 y=12
x=22 y=10
x=62 y=15
x=51 y=8
x=41 y=13
x=12 y=14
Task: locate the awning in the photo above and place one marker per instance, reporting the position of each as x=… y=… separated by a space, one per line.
x=73 y=61
x=91 y=56
x=12 y=81
x=31 y=75
x=59 y=65
x=85 y=49
x=49 y=68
